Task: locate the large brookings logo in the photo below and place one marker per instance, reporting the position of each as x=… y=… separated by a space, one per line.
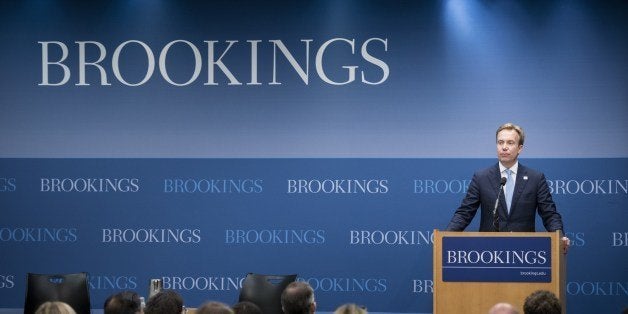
x=209 y=57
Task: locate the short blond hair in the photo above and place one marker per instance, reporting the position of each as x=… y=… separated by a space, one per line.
x=512 y=126
x=55 y=307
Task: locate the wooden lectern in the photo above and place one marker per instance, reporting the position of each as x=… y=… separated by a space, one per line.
x=458 y=289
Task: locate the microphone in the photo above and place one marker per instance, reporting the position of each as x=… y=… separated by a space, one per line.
x=495 y=215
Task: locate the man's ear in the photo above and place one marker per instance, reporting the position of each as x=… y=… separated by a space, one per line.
x=313 y=307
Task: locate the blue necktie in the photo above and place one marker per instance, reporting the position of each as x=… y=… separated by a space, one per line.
x=510 y=187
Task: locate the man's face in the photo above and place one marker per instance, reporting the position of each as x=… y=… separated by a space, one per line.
x=508 y=147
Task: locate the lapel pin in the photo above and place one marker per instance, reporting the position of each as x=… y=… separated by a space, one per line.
x=525 y=177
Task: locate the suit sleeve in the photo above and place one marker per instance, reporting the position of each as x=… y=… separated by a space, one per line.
x=468 y=208
x=547 y=208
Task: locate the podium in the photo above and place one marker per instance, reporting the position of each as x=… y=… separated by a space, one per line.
x=475 y=270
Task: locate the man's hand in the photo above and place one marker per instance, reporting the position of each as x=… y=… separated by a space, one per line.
x=566 y=243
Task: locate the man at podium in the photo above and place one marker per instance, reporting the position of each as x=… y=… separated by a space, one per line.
x=522 y=192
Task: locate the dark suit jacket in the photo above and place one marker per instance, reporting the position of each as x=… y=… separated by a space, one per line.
x=531 y=195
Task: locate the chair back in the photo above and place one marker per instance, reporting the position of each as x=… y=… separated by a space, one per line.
x=265 y=291
x=69 y=288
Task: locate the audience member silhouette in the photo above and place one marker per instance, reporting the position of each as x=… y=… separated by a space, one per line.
x=126 y=302
x=165 y=302
x=503 y=308
x=298 y=298
x=214 y=307
x=350 y=308
x=246 y=307
x=542 y=302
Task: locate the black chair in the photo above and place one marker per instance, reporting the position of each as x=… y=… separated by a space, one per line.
x=72 y=289
x=265 y=291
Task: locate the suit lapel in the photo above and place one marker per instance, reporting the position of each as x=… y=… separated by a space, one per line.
x=520 y=184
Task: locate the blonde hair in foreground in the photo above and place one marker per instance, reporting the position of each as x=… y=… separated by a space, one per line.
x=55 y=307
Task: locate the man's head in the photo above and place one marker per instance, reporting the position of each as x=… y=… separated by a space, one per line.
x=542 y=302
x=165 y=302
x=246 y=307
x=298 y=298
x=127 y=302
x=509 y=138
x=503 y=308
x=214 y=308
x=350 y=308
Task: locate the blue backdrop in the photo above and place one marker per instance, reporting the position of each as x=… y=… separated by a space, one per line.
x=198 y=141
